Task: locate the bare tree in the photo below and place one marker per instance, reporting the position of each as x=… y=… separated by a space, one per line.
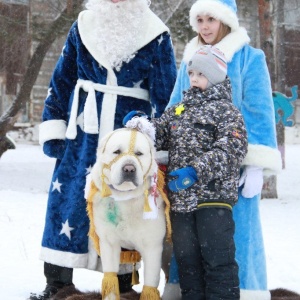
x=57 y=28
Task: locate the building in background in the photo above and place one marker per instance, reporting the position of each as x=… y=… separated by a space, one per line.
x=272 y=25
x=14 y=50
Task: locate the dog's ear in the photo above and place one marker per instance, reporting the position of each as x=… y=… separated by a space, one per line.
x=103 y=142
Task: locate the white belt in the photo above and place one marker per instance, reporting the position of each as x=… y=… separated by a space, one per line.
x=90 y=116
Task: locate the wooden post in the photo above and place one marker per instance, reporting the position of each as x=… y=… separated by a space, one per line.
x=266 y=30
x=69 y=6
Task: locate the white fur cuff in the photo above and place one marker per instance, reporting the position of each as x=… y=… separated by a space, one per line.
x=254 y=294
x=265 y=157
x=52 y=130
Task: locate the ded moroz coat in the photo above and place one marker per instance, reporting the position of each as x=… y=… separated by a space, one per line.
x=87 y=99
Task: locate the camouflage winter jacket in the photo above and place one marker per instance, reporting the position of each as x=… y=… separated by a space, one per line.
x=207 y=132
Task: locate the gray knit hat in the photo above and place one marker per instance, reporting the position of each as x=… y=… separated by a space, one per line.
x=211 y=62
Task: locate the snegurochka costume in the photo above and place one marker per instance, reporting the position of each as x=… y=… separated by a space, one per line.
x=252 y=95
x=86 y=100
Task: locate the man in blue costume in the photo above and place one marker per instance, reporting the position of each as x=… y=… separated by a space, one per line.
x=118 y=56
x=216 y=23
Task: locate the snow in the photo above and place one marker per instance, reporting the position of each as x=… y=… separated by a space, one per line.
x=25 y=175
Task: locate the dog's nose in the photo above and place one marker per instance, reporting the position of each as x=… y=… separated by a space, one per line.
x=129 y=168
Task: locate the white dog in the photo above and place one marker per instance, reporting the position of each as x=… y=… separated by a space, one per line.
x=127 y=208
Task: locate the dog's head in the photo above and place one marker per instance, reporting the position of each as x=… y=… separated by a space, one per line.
x=125 y=161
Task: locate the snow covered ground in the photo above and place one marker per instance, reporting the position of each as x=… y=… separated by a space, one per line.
x=25 y=175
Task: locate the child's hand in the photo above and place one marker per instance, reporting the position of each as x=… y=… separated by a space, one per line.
x=132 y=114
x=186 y=177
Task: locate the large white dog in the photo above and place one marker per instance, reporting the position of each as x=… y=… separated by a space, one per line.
x=128 y=208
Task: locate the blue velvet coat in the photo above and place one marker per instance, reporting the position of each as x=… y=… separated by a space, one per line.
x=252 y=95
x=151 y=74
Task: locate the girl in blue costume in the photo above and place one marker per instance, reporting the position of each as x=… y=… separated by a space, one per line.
x=216 y=23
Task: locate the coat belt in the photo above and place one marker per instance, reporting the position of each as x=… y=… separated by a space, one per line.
x=90 y=115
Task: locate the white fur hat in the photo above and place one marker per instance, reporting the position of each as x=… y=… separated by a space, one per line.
x=223 y=10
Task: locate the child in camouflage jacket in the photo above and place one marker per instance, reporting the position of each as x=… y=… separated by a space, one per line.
x=207 y=142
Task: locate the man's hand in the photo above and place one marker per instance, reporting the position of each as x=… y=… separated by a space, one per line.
x=54 y=148
x=186 y=177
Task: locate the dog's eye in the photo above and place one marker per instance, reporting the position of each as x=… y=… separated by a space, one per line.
x=138 y=153
x=117 y=152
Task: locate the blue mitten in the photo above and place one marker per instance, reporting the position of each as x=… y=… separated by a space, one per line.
x=186 y=177
x=54 y=148
x=132 y=114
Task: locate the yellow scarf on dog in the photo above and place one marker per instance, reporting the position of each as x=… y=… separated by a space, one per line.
x=128 y=256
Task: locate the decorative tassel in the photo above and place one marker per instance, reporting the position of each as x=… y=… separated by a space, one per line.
x=134 y=277
x=105 y=191
x=110 y=285
x=92 y=232
x=149 y=293
x=147 y=207
x=161 y=188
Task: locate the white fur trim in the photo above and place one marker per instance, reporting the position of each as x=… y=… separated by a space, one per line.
x=254 y=295
x=265 y=157
x=215 y=9
x=87 y=20
x=229 y=45
x=88 y=260
x=52 y=130
x=64 y=259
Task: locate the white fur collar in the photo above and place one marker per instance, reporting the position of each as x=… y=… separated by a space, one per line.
x=229 y=45
x=86 y=22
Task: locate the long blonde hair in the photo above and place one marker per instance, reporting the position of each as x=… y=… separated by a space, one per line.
x=223 y=31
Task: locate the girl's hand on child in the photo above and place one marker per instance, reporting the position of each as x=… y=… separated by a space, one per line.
x=252 y=178
x=186 y=177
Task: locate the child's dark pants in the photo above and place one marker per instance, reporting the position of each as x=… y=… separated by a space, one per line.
x=205 y=252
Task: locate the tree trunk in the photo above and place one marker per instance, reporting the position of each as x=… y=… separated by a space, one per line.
x=270 y=39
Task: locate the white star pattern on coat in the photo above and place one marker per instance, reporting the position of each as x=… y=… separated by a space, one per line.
x=49 y=92
x=66 y=229
x=160 y=40
x=56 y=186
x=62 y=51
x=88 y=170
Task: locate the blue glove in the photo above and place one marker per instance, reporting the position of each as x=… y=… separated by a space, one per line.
x=54 y=148
x=186 y=177
x=132 y=114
